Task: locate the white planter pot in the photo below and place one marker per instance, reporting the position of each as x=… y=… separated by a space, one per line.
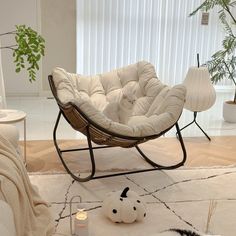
x=229 y=112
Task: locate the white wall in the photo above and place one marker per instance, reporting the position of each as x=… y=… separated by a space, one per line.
x=14 y=12
x=58 y=24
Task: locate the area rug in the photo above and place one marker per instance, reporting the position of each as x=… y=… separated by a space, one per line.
x=221 y=151
x=200 y=200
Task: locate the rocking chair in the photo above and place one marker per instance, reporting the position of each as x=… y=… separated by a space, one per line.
x=81 y=100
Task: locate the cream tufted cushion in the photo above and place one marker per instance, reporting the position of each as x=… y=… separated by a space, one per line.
x=157 y=108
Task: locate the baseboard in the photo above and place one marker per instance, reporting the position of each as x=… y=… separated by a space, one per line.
x=45 y=93
x=22 y=94
x=48 y=93
x=224 y=89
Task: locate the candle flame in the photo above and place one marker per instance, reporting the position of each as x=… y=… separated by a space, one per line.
x=81 y=214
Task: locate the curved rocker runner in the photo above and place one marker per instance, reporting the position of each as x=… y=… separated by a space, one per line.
x=93 y=169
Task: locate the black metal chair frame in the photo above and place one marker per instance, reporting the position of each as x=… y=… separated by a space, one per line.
x=90 y=148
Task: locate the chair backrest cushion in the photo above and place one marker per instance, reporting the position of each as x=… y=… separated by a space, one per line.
x=93 y=93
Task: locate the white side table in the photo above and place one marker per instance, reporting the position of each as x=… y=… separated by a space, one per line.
x=14 y=116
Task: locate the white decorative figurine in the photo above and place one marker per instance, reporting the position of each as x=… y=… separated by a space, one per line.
x=124 y=206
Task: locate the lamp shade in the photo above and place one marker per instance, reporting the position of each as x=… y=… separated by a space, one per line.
x=201 y=94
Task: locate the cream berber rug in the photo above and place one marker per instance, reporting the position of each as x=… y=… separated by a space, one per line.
x=201 y=201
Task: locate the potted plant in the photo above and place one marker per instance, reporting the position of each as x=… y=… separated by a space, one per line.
x=27 y=51
x=223 y=62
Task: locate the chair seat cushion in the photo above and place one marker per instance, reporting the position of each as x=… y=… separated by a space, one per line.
x=156 y=109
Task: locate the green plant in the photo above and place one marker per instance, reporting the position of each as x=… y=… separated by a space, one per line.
x=223 y=62
x=27 y=51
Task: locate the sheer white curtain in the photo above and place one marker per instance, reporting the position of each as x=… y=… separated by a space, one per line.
x=114 y=33
x=2 y=87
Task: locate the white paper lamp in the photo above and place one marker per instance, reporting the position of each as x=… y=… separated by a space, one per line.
x=201 y=94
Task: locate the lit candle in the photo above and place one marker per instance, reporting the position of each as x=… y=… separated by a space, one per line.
x=81 y=223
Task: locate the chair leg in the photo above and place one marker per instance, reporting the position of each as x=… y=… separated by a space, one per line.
x=154 y=164
x=59 y=151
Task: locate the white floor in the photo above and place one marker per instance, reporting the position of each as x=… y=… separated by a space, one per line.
x=42 y=113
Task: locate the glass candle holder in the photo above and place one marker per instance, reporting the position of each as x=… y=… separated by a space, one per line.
x=81 y=223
